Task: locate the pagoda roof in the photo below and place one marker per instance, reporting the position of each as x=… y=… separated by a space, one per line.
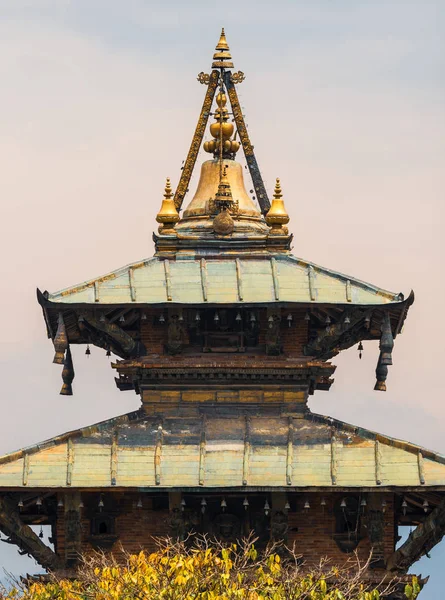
x=223 y=449
x=223 y=279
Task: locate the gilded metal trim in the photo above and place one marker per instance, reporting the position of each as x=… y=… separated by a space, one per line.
x=190 y=161
x=258 y=184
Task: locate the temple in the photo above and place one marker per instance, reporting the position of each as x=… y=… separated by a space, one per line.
x=224 y=335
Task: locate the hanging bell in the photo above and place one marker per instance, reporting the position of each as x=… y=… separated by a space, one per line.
x=81 y=504
x=183 y=504
x=88 y=351
x=266 y=508
x=60 y=503
x=307 y=505
x=289 y=319
x=162 y=319
x=108 y=352
x=101 y=503
x=197 y=317
x=425 y=506
x=216 y=317
x=287 y=506
x=238 y=317
x=41 y=533
x=223 y=504
x=203 y=505
x=122 y=319
x=102 y=318
x=143 y=317
x=20 y=503
x=139 y=504
x=343 y=503
x=323 y=502
x=39 y=501
x=360 y=350
x=245 y=504
x=384 y=505
x=404 y=506
x=307 y=316
x=347 y=320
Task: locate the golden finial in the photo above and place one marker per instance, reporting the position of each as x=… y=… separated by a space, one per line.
x=222 y=129
x=168 y=215
x=222 y=58
x=222 y=44
x=277 y=215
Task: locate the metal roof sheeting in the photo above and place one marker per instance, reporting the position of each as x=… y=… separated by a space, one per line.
x=222 y=451
x=224 y=280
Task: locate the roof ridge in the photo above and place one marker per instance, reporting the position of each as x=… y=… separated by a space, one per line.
x=380 y=437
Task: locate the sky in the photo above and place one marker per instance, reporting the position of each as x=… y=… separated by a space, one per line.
x=344 y=102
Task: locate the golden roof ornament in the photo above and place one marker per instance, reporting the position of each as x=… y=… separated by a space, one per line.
x=277 y=216
x=223 y=203
x=168 y=215
x=222 y=131
x=222 y=58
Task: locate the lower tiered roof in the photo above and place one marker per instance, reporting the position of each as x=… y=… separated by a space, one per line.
x=247 y=450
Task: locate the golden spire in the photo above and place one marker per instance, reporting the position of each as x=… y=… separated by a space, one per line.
x=221 y=129
x=222 y=58
x=168 y=215
x=277 y=215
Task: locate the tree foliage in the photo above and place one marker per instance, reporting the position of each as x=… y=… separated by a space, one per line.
x=209 y=572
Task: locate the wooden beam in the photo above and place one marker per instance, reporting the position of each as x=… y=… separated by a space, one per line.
x=421 y=467
x=246 y=451
x=334 y=466
x=132 y=286
x=204 y=279
x=276 y=283
x=168 y=284
x=113 y=458
x=311 y=277
x=69 y=461
x=202 y=452
x=378 y=463
x=239 y=279
x=420 y=541
x=158 y=454
x=290 y=452
x=348 y=291
x=25 y=468
x=24 y=537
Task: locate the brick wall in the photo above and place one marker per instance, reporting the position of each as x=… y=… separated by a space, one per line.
x=311 y=531
x=153 y=333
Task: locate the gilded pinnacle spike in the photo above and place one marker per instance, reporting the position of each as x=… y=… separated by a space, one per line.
x=277 y=191
x=222 y=58
x=168 y=189
x=168 y=215
x=277 y=215
x=222 y=44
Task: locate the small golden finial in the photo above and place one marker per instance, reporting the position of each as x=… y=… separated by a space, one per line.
x=222 y=58
x=277 y=215
x=168 y=215
x=222 y=44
